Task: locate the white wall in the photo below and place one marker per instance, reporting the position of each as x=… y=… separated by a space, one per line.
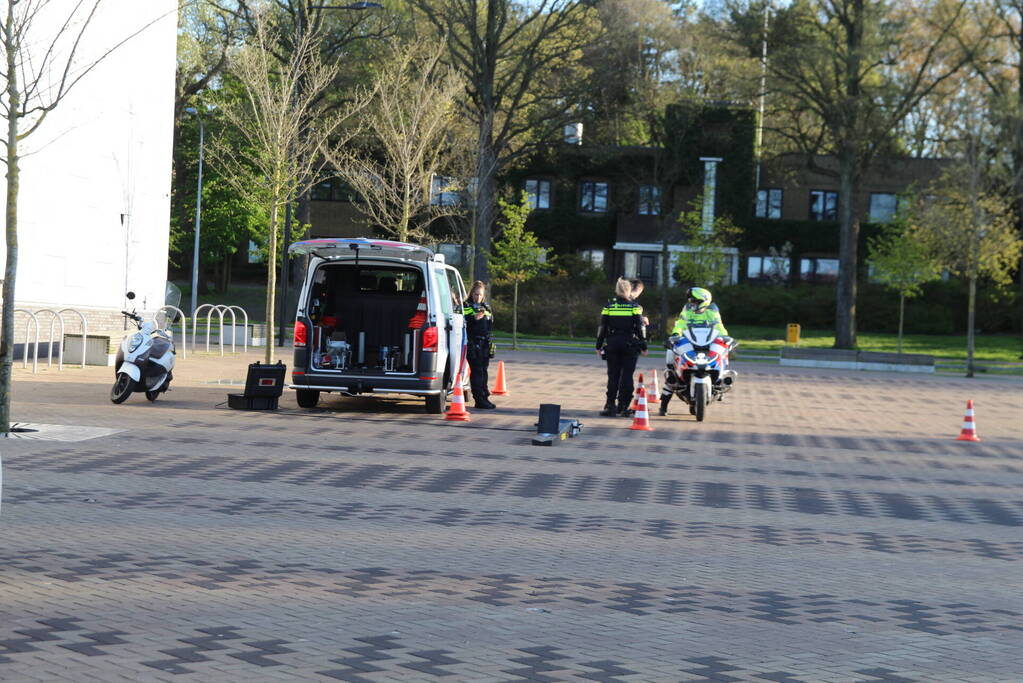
x=104 y=152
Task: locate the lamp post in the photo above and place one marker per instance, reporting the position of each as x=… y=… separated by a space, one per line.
x=198 y=213
x=286 y=265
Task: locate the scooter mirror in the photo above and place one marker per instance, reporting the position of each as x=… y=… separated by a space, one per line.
x=130 y=295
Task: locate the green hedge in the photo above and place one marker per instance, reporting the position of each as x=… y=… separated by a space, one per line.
x=552 y=305
x=940 y=310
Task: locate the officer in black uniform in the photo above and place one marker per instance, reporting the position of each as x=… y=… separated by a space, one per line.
x=620 y=339
x=479 y=320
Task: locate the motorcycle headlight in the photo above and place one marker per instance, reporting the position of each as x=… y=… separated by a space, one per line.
x=136 y=341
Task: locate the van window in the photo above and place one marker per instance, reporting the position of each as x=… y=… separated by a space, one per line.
x=443 y=291
x=457 y=287
x=387 y=280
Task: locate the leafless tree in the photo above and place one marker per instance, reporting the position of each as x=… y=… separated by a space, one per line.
x=407 y=145
x=518 y=62
x=41 y=44
x=281 y=156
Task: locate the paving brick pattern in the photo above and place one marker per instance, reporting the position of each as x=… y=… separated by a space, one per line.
x=819 y=526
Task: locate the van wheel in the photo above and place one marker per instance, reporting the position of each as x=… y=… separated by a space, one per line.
x=435 y=404
x=307 y=398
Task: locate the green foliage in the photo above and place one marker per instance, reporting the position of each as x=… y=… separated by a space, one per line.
x=517 y=256
x=900 y=262
x=228 y=219
x=706 y=262
x=941 y=308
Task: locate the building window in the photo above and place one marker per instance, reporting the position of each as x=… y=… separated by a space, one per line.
x=883 y=206
x=818 y=269
x=647 y=270
x=767 y=268
x=593 y=197
x=538 y=193
x=332 y=190
x=769 y=203
x=323 y=191
x=444 y=191
x=823 y=205
x=649 y=200
x=595 y=257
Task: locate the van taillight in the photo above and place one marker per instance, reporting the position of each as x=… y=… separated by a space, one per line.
x=301 y=332
x=430 y=339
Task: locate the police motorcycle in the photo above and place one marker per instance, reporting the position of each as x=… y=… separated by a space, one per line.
x=144 y=360
x=697 y=368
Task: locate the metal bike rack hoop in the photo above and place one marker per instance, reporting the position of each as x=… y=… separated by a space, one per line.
x=24 y=358
x=49 y=342
x=85 y=330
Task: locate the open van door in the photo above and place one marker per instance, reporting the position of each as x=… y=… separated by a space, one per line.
x=459 y=338
x=450 y=294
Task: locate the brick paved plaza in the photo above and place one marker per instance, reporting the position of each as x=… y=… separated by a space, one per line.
x=819 y=526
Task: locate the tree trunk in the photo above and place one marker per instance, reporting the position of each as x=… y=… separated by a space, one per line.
x=271 y=281
x=11 y=222
x=486 y=171
x=849 y=237
x=902 y=311
x=515 y=316
x=971 y=313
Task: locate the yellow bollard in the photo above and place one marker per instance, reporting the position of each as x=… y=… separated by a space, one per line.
x=793 y=334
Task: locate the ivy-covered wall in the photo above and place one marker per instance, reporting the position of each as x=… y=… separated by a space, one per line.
x=693 y=130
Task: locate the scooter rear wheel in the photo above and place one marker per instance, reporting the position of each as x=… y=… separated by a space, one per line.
x=123 y=387
x=151 y=395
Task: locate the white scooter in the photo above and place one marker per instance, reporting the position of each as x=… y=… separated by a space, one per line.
x=144 y=361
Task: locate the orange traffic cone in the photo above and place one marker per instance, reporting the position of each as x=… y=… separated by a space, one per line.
x=656 y=395
x=635 y=397
x=456 y=411
x=969 y=430
x=641 y=420
x=418 y=318
x=499 y=387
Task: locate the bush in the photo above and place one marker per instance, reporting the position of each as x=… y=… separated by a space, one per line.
x=560 y=305
x=941 y=309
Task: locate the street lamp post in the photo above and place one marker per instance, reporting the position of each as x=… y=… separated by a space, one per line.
x=198 y=214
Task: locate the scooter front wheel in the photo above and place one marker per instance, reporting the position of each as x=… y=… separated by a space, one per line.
x=123 y=387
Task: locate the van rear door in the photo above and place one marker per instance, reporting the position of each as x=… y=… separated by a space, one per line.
x=449 y=296
x=459 y=339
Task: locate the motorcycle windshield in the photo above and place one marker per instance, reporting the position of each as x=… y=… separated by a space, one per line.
x=700 y=335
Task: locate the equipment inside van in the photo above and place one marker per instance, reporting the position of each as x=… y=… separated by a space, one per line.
x=376 y=316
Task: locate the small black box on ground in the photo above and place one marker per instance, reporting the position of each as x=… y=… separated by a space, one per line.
x=265 y=380
x=264 y=385
x=243 y=402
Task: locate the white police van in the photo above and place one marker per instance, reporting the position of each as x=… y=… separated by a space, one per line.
x=377 y=317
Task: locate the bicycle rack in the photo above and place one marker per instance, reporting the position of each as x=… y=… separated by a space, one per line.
x=85 y=330
x=24 y=359
x=220 y=310
x=245 y=331
x=56 y=317
x=184 y=327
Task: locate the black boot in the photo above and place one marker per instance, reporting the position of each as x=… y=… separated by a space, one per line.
x=664 y=406
x=484 y=404
x=608 y=411
x=625 y=411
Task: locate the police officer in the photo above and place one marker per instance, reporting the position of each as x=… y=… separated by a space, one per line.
x=698 y=309
x=479 y=320
x=620 y=339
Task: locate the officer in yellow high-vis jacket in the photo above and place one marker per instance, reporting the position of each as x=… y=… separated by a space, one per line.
x=699 y=309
